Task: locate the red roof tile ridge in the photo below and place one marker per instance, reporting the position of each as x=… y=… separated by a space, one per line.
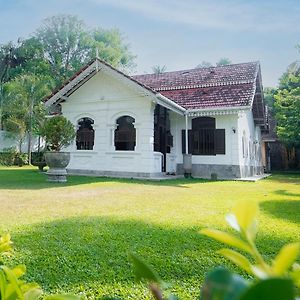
x=201 y=68
x=194 y=86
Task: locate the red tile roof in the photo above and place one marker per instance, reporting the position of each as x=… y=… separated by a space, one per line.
x=223 y=86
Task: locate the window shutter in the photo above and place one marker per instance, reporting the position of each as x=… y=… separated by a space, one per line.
x=183 y=141
x=220 y=141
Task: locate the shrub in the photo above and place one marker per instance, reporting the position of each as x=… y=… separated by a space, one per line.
x=58 y=132
x=10 y=157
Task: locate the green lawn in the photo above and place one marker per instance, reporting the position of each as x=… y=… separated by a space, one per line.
x=76 y=236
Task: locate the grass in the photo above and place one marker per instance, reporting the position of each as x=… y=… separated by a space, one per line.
x=76 y=237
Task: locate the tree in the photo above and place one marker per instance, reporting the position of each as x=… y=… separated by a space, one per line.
x=68 y=45
x=287 y=107
x=159 y=69
x=110 y=46
x=204 y=64
x=269 y=94
x=223 y=61
x=23 y=106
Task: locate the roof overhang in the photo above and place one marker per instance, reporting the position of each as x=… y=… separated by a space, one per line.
x=96 y=66
x=234 y=110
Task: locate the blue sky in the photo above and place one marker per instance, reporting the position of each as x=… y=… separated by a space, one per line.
x=180 y=33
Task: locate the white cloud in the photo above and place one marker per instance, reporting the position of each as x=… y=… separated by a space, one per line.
x=230 y=14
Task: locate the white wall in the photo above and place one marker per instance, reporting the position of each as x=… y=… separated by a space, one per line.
x=227 y=122
x=105 y=99
x=251 y=156
x=9 y=142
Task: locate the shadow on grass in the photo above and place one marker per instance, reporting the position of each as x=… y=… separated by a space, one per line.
x=286 y=193
x=284 y=209
x=85 y=250
x=285 y=177
x=88 y=252
x=14 y=178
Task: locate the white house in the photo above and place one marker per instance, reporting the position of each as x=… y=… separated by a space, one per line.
x=141 y=126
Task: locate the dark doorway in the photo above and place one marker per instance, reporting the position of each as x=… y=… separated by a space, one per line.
x=163 y=140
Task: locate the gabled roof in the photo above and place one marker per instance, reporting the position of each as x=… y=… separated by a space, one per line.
x=223 y=86
x=230 y=86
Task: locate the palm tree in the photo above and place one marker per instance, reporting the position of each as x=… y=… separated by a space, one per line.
x=24 y=108
x=159 y=69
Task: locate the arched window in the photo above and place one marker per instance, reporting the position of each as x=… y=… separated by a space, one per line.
x=125 y=134
x=204 y=138
x=85 y=134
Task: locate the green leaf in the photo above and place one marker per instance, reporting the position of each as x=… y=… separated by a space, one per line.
x=62 y=297
x=227 y=238
x=246 y=213
x=286 y=257
x=273 y=289
x=33 y=294
x=143 y=270
x=259 y=272
x=19 y=270
x=3 y=284
x=237 y=258
x=295 y=274
x=13 y=281
x=221 y=284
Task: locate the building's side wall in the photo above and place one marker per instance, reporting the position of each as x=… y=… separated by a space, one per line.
x=105 y=99
x=224 y=165
x=249 y=141
x=235 y=163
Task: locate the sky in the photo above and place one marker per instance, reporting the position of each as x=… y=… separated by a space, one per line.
x=179 y=34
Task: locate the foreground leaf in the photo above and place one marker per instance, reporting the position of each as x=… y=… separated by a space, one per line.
x=221 y=284
x=33 y=294
x=246 y=213
x=286 y=257
x=273 y=289
x=227 y=238
x=237 y=258
x=143 y=270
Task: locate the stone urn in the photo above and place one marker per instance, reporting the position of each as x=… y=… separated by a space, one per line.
x=57 y=162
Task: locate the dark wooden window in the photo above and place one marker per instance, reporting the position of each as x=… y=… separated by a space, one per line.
x=125 y=136
x=85 y=134
x=204 y=138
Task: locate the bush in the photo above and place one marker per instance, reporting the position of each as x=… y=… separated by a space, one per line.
x=10 y=157
x=58 y=132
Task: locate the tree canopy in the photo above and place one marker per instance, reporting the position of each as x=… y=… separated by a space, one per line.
x=287 y=106
x=31 y=67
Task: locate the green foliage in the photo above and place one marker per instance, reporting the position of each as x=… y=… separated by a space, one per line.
x=58 y=132
x=287 y=107
x=159 y=69
x=68 y=45
x=223 y=284
x=12 y=157
x=223 y=62
x=244 y=220
x=269 y=98
x=112 y=47
x=275 y=280
x=23 y=109
x=204 y=64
